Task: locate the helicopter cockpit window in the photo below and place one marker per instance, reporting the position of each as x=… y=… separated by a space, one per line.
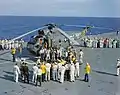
x=32 y=40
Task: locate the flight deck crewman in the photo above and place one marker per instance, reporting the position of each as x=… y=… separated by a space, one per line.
x=16 y=71
x=13 y=52
x=87 y=72
x=43 y=68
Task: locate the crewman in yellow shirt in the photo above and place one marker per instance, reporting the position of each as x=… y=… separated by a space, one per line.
x=43 y=68
x=13 y=52
x=87 y=72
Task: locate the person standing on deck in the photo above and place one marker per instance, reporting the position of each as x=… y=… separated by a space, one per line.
x=20 y=49
x=26 y=73
x=81 y=54
x=38 y=61
x=43 y=68
x=13 y=52
x=34 y=70
x=16 y=71
x=54 y=71
x=118 y=67
x=48 y=66
x=87 y=72
x=72 y=72
x=62 y=73
x=39 y=76
x=59 y=69
x=77 y=69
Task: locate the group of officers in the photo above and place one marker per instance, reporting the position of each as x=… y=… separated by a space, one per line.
x=57 y=70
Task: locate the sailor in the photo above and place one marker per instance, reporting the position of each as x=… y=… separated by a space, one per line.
x=101 y=43
x=67 y=71
x=13 y=52
x=20 y=49
x=43 y=68
x=16 y=71
x=72 y=72
x=42 y=54
x=54 y=71
x=62 y=73
x=39 y=76
x=21 y=69
x=2 y=43
x=48 y=54
x=118 y=67
x=77 y=69
x=81 y=54
x=38 y=61
x=26 y=73
x=48 y=66
x=93 y=43
x=87 y=72
x=9 y=45
x=110 y=43
x=34 y=70
x=59 y=69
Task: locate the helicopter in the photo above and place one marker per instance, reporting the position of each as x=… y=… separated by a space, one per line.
x=49 y=36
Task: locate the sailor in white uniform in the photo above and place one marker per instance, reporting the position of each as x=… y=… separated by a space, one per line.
x=34 y=70
x=81 y=56
x=62 y=74
x=16 y=71
x=77 y=69
x=72 y=72
x=59 y=69
x=48 y=66
x=118 y=67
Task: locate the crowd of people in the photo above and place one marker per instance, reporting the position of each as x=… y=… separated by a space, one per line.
x=6 y=44
x=54 y=67
x=96 y=42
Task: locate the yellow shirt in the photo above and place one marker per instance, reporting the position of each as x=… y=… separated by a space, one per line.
x=13 y=51
x=87 y=69
x=43 y=68
x=73 y=59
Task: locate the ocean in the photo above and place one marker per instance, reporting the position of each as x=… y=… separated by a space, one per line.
x=13 y=26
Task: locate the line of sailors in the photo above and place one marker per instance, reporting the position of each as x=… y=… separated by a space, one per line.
x=100 y=42
x=50 y=54
x=8 y=44
x=59 y=70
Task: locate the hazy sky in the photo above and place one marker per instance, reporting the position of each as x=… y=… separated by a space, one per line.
x=87 y=8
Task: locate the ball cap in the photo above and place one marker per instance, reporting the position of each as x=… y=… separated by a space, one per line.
x=118 y=59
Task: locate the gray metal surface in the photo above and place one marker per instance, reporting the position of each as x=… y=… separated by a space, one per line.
x=102 y=78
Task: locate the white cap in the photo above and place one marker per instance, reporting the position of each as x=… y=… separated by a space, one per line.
x=118 y=59
x=22 y=59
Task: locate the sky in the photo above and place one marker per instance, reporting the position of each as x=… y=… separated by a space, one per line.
x=77 y=8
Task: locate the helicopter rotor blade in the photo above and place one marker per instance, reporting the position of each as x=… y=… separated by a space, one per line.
x=89 y=26
x=27 y=33
x=74 y=25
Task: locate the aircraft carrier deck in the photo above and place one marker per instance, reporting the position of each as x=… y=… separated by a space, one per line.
x=103 y=79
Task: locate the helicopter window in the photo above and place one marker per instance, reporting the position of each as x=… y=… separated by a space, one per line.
x=32 y=40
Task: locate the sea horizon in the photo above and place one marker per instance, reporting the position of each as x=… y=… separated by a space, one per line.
x=12 y=26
